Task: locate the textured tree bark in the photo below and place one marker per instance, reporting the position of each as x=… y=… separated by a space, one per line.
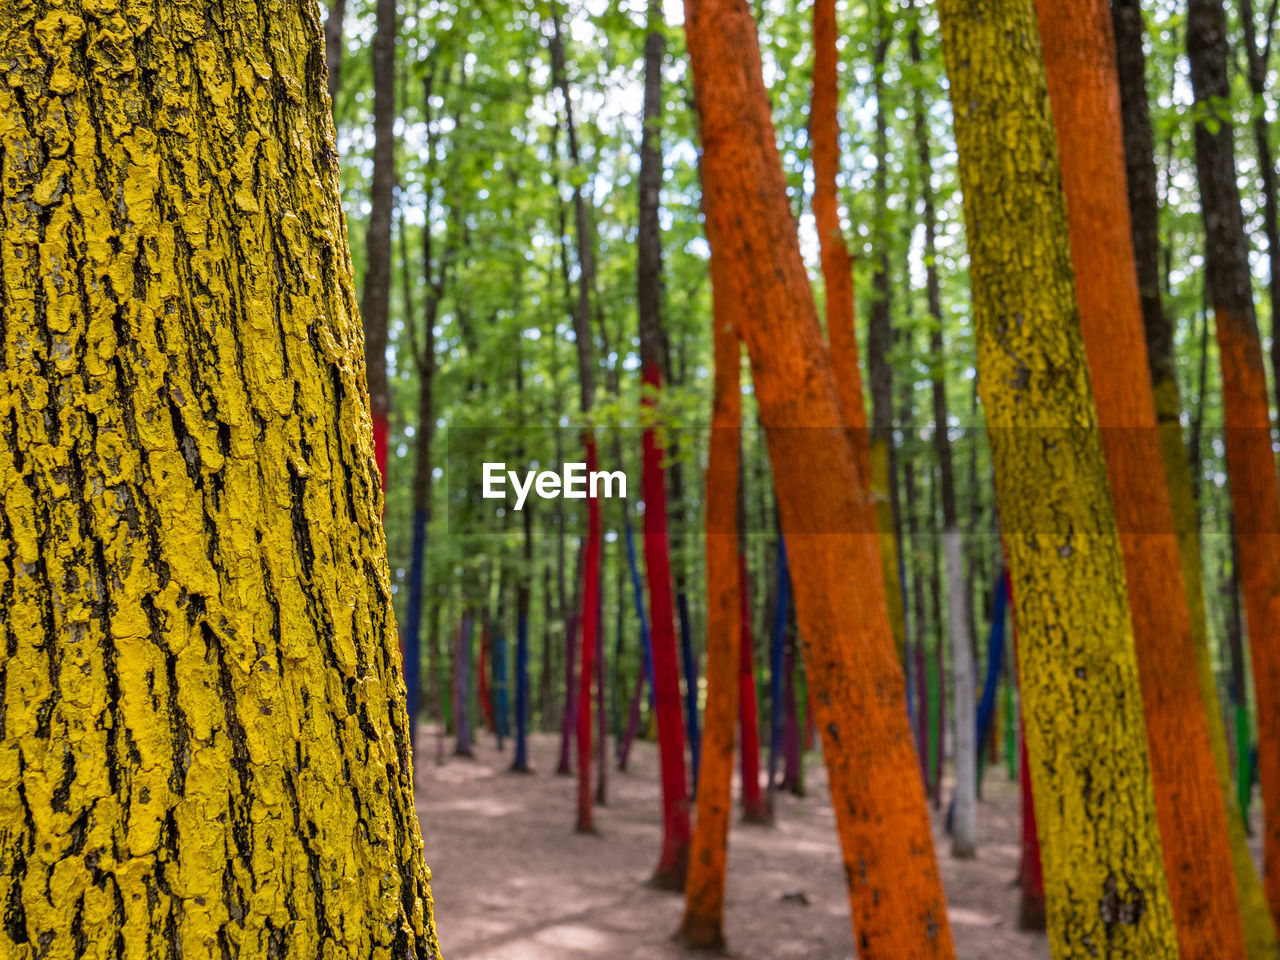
x=1086 y=739
x=376 y=297
x=1126 y=18
x=1079 y=53
x=333 y=40
x=204 y=744
x=674 y=858
x=879 y=342
x=895 y=893
x=1251 y=468
x=703 y=921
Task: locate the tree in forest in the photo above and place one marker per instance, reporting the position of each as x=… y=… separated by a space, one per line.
x=703 y=923
x=588 y=620
x=895 y=893
x=1251 y=467
x=882 y=458
x=837 y=265
x=203 y=698
x=1085 y=96
x=674 y=858
x=375 y=299
x=1257 y=50
x=1141 y=179
x=959 y=626
x=1086 y=740
x=333 y=40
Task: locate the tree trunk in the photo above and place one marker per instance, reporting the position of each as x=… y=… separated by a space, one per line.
x=879 y=341
x=1085 y=728
x=203 y=692
x=964 y=825
x=333 y=43
x=895 y=893
x=1085 y=98
x=1258 y=52
x=837 y=265
x=376 y=297
x=673 y=861
x=1251 y=468
x=587 y=619
x=755 y=806
x=702 y=926
x=462 y=687
x=1259 y=929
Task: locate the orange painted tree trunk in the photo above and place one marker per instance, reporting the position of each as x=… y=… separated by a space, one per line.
x=837 y=265
x=1251 y=467
x=858 y=696
x=1079 y=56
x=704 y=887
x=1144 y=206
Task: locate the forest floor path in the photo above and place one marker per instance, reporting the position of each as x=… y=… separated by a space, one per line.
x=512 y=881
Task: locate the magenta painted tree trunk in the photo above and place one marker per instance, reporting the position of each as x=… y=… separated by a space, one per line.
x=588 y=623
x=755 y=806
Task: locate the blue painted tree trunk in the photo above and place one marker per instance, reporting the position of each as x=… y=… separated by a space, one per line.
x=995 y=658
x=690 y=664
x=501 y=703
x=413 y=628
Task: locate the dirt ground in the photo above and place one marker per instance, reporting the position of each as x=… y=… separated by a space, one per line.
x=512 y=881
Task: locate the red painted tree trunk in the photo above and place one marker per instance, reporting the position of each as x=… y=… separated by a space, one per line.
x=755 y=809
x=589 y=624
x=674 y=860
x=482 y=680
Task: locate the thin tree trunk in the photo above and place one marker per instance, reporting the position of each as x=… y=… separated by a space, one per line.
x=837 y=265
x=1085 y=97
x=673 y=861
x=376 y=297
x=964 y=814
x=195 y=571
x=1085 y=726
x=1258 y=53
x=755 y=807
x=1251 y=467
x=703 y=923
x=520 y=760
x=587 y=618
x=333 y=42
x=462 y=687
x=1181 y=466
x=895 y=893
x=879 y=342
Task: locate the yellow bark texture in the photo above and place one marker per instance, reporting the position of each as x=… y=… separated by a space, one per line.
x=203 y=738
x=1095 y=811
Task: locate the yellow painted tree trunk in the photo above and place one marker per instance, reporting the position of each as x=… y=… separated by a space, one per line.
x=1086 y=739
x=204 y=747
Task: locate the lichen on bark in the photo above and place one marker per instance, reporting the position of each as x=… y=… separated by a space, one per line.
x=1094 y=803
x=203 y=738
